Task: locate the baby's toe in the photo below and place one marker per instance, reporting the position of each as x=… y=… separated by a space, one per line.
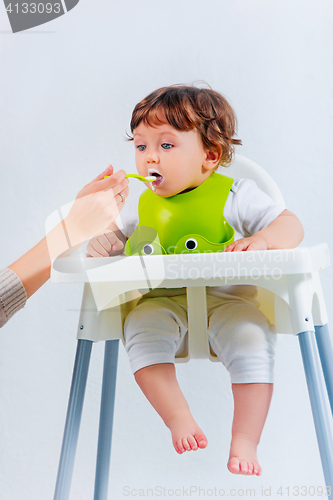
x=233 y=465
x=201 y=440
x=180 y=446
x=257 y=470
x=177 y=449
x=186 y=444
x=243 y=467
x=250 y=468
x=192 y=442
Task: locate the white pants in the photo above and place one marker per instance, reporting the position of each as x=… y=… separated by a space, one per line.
x=239 y=334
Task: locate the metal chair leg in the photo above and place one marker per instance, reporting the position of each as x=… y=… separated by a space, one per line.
x=106 y=419
x=73 y=420
x=320 y=411
x=325 y=349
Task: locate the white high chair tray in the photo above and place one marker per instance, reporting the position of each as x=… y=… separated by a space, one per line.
x=169 y=268
x=276 y=271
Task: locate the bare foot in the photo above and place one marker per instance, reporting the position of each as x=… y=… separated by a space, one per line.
x=186 y=435
x=243 y=456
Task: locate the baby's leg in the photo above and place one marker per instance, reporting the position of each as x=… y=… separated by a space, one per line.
x=251 y=407
x=160 y=386
x=244 y=340
x=153 y=333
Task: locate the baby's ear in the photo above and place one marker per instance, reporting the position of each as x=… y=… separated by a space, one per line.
x=212 y=159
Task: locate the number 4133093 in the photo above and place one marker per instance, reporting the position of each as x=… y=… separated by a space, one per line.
x=302 y=491
x=32 y=8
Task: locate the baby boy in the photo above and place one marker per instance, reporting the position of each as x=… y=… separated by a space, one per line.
x=182 y=134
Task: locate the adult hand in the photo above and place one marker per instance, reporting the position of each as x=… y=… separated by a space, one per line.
x=96 y=206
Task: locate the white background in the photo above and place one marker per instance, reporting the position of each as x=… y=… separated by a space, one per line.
x=67 y=92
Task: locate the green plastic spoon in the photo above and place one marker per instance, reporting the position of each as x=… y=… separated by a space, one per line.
x=149 y=178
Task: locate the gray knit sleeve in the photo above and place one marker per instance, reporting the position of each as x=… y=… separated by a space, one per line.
x=12 y=295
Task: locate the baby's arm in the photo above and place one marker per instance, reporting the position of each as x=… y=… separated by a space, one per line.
x=286 y=231
x=110 y=243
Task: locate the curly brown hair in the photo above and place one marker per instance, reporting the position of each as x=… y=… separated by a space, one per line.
x=187 y=108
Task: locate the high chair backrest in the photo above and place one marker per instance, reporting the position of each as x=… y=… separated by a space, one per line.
x=242 y=167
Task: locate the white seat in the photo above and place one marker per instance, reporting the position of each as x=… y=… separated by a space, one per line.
x=290 y=295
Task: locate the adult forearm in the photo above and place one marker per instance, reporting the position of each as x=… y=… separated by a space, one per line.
x=96 y=205
x=34 y=267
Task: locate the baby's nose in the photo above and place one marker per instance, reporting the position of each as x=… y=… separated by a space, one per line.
x=152 y=157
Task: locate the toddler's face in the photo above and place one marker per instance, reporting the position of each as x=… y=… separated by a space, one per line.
x=178 y=158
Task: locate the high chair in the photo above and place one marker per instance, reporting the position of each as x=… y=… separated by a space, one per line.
x=290 y=295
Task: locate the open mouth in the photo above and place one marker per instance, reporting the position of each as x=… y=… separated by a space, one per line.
x=159 y=177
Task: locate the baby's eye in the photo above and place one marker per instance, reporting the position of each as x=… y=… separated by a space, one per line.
x=166 y=145
x=141 y=147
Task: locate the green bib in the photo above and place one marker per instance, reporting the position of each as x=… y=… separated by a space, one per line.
x=184 y=223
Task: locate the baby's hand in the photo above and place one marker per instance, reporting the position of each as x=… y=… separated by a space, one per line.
x=254 y=242
x=105 y=245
